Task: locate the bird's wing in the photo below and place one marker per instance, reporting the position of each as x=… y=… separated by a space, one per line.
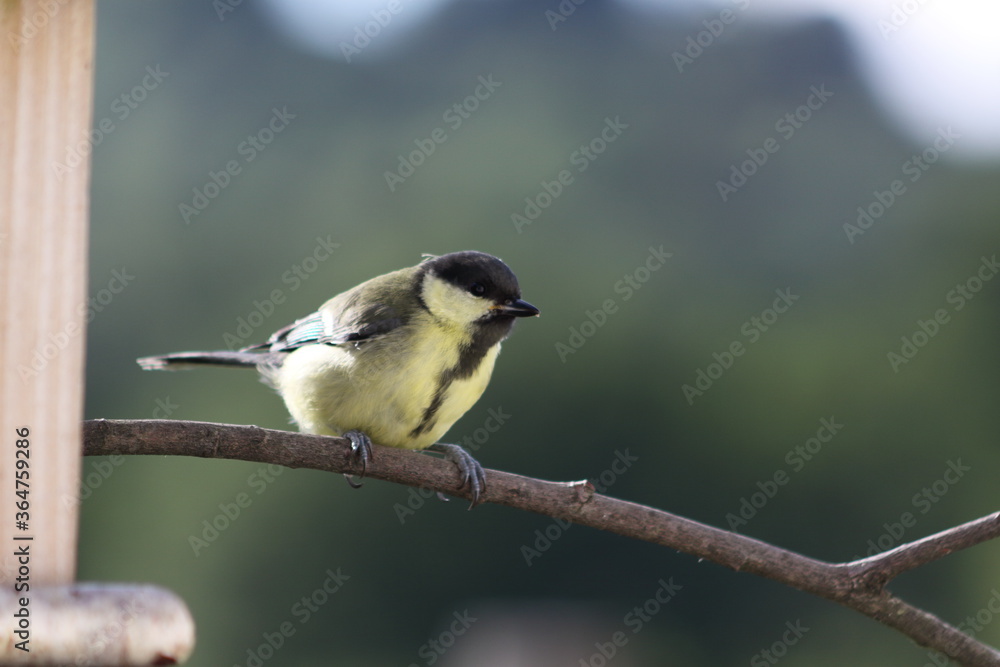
x=347 y=318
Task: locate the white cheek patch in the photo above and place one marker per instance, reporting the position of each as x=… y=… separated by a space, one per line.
x=451 y=303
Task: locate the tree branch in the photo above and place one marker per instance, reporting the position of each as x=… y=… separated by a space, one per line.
x=859 y=585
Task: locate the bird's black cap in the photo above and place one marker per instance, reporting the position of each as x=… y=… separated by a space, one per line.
x=483 y=275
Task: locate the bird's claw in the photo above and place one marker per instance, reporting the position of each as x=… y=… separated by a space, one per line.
x=472 y=474
x=361 y=451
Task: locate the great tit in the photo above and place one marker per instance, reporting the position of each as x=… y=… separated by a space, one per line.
x=395 y=360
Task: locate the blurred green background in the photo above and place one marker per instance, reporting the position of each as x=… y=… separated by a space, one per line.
x=343 y=125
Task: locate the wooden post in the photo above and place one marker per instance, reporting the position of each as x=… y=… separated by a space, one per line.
x=46 y=89
x=46 y=74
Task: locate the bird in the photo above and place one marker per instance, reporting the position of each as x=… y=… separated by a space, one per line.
x=397 y=359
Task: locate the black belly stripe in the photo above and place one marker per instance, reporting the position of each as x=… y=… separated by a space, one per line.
x=489 y=334
x=427 y=421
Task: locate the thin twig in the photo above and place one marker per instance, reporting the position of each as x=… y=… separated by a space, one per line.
x=859 y=585
x=890 y=564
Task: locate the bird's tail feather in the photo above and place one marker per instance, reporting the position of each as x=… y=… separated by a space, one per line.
x=185 y=360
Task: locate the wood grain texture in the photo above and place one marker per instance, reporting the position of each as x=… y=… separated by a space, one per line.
x=46 y=84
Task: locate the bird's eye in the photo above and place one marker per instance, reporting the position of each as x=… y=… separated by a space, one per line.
x=477 y=289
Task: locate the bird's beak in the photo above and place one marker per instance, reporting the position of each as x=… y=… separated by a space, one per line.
x=516 y=308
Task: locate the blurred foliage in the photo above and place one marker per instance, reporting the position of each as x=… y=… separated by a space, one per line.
x=323 y=176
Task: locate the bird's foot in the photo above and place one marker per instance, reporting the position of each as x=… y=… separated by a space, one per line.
x=472 y=474
x=361 y=451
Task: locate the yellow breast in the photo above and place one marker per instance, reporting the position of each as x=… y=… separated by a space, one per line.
x=389 y=388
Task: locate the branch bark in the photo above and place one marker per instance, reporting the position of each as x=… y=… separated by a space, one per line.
x=859 y=585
